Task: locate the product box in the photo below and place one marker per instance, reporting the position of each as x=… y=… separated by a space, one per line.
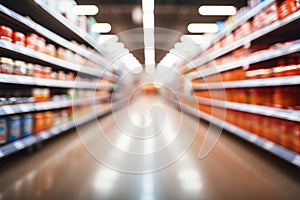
x=3 y=130
x=27 y=124
x=14 y=124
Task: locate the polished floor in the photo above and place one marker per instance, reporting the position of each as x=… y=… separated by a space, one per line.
x=141 y=153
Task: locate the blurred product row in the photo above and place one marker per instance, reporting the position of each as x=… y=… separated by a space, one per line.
x=248 y=76
x=47 y=81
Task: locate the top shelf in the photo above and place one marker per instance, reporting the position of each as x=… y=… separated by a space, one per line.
x=250 y=59
x=254 y=11
x=288 y=22
x=32 y=26
x=41 y=13
x=55 y=27
x=60 y=23
x=250 y=83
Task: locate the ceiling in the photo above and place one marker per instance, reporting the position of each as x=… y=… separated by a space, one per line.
x=170 y=14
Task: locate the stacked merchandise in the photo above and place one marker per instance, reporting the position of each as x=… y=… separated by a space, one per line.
x=251 y=72
x=47 y=81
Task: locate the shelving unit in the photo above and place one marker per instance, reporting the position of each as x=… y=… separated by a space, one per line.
x=292 y=115
x=23 y=51
x=34 y=27
x=50 y=35
x=272 y=147
x=58 y=19
x=263 y=48
x=252 y=37
x=254 y=11
x=23 y=143
x=251 y=59
x=32 y=107
x=27 y=80
x=56 y=30
x=278 y=81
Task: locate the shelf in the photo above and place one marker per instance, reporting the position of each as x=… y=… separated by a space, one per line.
x=292 y=115
x=276 y=149
x=63 y=22
x=49 y=105
x=27 y=80
x=261 y=32
x=254 y=11
x=264 y=82
x=53 y=37
x=70 y=29
x=24 y=51
x=251 y=59
x=10 y=148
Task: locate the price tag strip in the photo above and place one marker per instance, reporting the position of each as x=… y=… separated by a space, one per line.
x=296 y=160
x=26 y=107
x=18 y=145
x=55 y=130
x=8 y=110
x=1 y=153
x=44 y=135
x=253 y=138
x=29 y=140
x=294 y=116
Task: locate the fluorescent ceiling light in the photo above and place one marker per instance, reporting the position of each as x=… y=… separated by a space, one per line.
x=217 y=10
x=149 y=37
x=150 y=69
x=203 y=28
x=148 y=5
x=150 y=55
x=101 y=27
x=149 y=60
x=85 y=10
x=137 y=15
x=148 y=20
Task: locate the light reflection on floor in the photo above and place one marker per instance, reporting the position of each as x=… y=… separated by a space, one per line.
x=64 y=169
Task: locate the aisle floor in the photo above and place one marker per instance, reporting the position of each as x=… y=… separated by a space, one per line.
x=81 y=166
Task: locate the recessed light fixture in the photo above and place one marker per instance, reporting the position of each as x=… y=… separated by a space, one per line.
x=203 y=28
x=137 y=15
x=101 y=28
x=85 y=10
x=217 y=10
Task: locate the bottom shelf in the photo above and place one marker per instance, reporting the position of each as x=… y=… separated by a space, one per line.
x=10 y=148
x=272 y=147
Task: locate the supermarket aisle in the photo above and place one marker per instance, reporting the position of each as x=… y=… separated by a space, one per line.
x=64 y=169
